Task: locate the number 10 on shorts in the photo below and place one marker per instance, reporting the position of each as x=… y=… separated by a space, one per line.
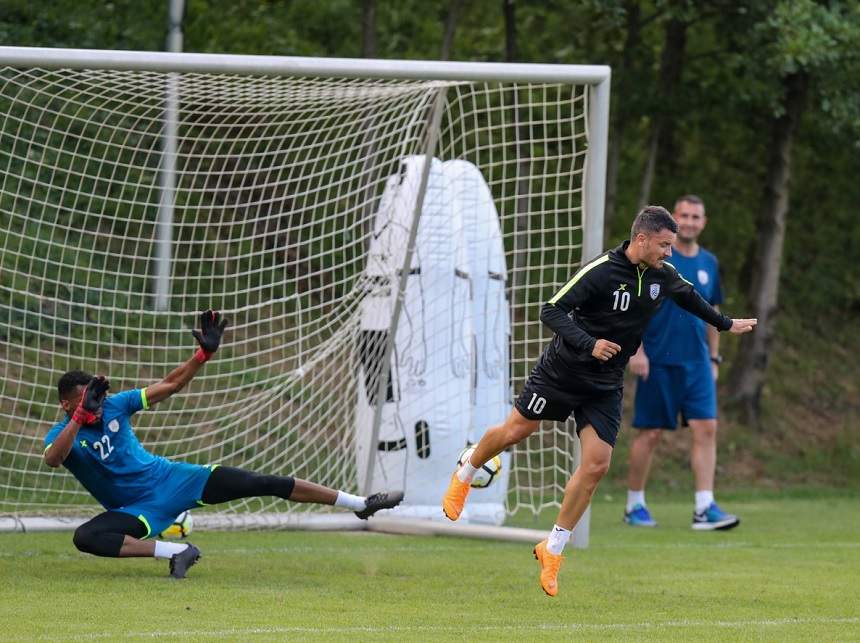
x=536 y=404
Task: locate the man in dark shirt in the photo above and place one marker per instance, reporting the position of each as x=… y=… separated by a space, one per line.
x=598 y=317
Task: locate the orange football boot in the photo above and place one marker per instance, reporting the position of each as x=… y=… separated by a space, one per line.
x=549 y=566
x=455 y=497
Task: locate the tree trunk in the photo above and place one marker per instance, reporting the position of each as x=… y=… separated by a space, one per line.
x=450 y=28
x=663 y=120
x=367 y=198
x=621 y=113
x=748 y=374
x=368 y=29
x=613 y=158
x=521 y=203
x=510 y=13
x=650 y=163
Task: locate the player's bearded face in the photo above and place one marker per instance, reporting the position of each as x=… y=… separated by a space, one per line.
x=657 y=248
x=69 y=405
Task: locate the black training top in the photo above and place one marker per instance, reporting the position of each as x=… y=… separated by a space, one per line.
x=611 y=298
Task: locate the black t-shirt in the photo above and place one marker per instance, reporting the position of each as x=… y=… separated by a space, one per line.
x=611 y=298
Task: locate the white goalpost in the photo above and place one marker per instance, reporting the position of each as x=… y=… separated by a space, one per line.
x=381 y=235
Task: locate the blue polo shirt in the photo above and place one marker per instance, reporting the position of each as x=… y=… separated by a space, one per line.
x=674 y=336
x=108 y=459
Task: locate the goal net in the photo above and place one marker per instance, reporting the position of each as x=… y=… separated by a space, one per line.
x=268 y=197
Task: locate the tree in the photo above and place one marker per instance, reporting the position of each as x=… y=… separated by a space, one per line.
x=368 y=29
x=804 y=43
x=623 y=107
x=521 y=207
x=509 y=9
x=663 y=119
x=450 y=28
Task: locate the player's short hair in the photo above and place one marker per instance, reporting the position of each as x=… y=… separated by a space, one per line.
x=71 y=381
x=689 y=198
x=651 y=220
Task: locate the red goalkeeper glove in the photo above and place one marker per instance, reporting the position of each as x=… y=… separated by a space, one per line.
x=89 y=409
x=212 y=327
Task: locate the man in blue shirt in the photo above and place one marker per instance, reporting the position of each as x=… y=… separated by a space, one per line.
x=677 y=365
x=143 y=493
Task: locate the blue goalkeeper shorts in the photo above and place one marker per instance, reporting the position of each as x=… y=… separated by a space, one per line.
x=670 y=390
x=180 y=489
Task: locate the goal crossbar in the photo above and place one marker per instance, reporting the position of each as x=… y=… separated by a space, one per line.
x=51 y=58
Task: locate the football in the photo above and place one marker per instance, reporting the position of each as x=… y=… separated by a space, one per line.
x=487 y=473
x=181 y=526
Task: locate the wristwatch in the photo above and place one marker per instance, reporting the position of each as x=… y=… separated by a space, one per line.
x=717 y=359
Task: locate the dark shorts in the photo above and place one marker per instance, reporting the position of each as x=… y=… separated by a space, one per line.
x=670 y=390
x=598 y=406
x=180 y=489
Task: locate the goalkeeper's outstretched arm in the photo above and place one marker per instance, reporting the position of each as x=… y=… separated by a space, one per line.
x=212 y=326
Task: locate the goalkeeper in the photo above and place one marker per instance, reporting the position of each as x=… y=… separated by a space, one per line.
x=142 y=492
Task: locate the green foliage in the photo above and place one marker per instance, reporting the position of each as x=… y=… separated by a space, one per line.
x=805 y=35
x=818 y=38
x=735 y=54
x=300 y=28
x=117 y=24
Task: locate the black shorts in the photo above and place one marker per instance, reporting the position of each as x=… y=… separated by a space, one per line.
x=598 y=406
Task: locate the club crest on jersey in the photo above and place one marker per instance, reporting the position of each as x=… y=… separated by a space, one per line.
x=654 y=291
x=113 y=425
x=703 y=277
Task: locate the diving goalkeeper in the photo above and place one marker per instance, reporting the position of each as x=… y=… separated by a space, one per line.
x=143 y=493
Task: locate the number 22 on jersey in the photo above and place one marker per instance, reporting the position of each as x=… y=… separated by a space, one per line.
x=104 y=447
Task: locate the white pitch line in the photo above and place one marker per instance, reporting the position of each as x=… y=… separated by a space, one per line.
x=433 y=629
x=728 y=545
x=432 y=548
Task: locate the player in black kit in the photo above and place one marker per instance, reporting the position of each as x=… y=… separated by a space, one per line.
x=598 y=317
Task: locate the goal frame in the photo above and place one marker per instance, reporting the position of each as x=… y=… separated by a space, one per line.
x=596 y=77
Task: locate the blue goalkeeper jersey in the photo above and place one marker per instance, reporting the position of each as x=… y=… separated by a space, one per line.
x=674 y=336
x=108 y=459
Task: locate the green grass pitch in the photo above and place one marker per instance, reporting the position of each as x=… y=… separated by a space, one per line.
x=791 y=571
